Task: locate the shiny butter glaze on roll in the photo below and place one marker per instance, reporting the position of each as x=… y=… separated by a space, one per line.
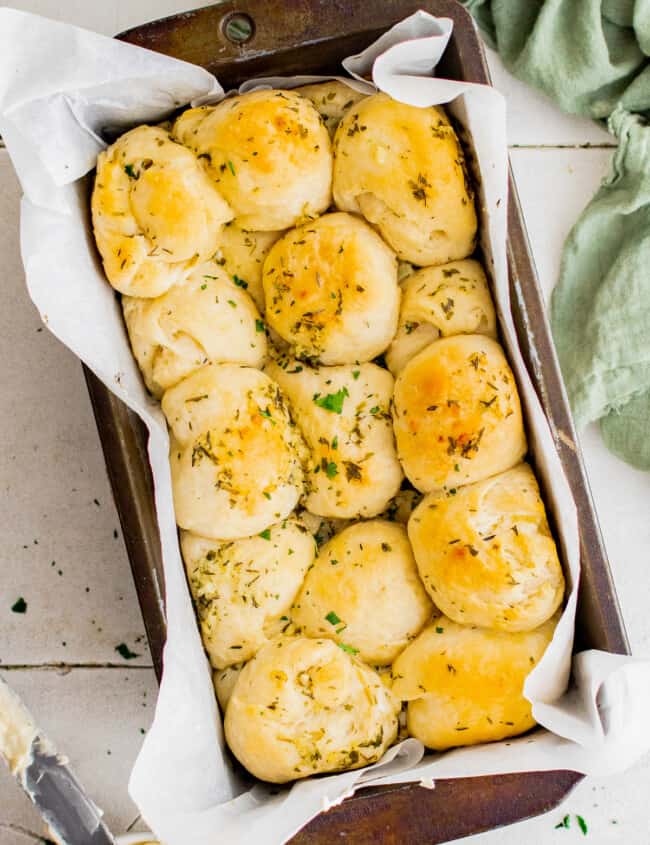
x=155 y=212
x=457 y=414
x=403 y=168
x=331 y=290
x=465 y=685
x=305 y=706
x=268 y=153
x=235 y=453
x=486 y=554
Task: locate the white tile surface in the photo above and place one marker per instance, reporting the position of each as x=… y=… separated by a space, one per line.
x=51 y=470
x=533 y=120
x=61 y=553
x=554 y=186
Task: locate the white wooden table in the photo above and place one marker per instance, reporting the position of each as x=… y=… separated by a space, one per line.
x=63 y=550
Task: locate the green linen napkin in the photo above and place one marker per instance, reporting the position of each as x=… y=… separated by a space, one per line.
x=591 y=57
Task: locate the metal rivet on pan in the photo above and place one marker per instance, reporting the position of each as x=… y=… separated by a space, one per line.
x=238 y=28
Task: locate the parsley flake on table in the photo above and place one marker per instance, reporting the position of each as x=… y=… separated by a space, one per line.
x=565 y=823
x=582 y=824
x=332 y=401
x=19 y=606
x=124 y=651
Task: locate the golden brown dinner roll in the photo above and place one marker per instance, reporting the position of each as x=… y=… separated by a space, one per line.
x=344 y=415
x=155 y=212
x=486 y=554
x=332 y=100
x=331 y=290
x=364 y=590
x=224 y=681
x=464 y=685
x=403 y=168
x=208 y=318
x=457 y=413
x=439 y=302
x=242 y=254
x=235 y=453
x=242 y=589
x=304 y=706
x=268 y=153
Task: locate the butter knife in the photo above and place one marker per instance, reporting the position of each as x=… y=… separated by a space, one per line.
x=71 y=816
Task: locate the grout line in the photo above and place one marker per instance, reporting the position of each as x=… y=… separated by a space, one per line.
x=585 y=146
x=133 y=823
x=17 y=828
x=21 y=667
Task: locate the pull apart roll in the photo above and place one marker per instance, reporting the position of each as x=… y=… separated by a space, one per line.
x=243 y=589
x=207 y=319
x=440 y=302
x=155 y=212
x=304 y=706
x=364 y=592
x=268 y=153
x=331 y=290
x=403 y=168
x=457 y=414
x=235 y=453
x=344 y=416
x=486 y=554
x=465 y=685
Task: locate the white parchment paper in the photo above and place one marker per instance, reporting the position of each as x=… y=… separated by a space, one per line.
x=61 y=89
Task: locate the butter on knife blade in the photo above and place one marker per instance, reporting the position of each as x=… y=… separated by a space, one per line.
x=72 y=818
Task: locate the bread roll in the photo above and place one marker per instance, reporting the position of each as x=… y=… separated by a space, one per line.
x=206 y=319
x=332 y=100
x=486 y=554
x=331 y=290
x=155 y=212
x=241 y=254
x=242 y=589
x=269 y=154
x=364 y=590
x=457 y=413
x=403 y=168
x=465 y=685
x=235 y=453
x=344 y=416
x=439 y=302
x=303 y=706
x=224 y=681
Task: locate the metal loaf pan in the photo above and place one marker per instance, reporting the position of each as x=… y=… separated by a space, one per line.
x=312 y=36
